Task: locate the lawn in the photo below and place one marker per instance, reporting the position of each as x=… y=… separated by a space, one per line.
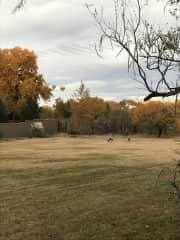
x=84 y=188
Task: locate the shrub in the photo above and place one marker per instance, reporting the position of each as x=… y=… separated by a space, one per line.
x=1 y=135
x=3 y=113
x=72 y=131
x=38 y=132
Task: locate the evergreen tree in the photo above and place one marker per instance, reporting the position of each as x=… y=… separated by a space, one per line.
x=3 y=113
x=30 y=111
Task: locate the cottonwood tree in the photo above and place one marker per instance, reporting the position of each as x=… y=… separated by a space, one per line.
x=154 y=117
x=46 y=112
x=85 y=109
x=150 y=50
x=21 y=85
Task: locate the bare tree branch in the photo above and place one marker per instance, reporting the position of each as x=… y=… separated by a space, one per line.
x=18 y=6
x=148 y=50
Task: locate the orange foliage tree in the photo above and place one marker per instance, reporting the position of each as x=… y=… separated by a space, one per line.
x=20 y=80
x=46 y=112
x=85 y=109
x=154 y=117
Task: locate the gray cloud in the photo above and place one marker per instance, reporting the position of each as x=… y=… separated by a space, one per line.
x=63 y=33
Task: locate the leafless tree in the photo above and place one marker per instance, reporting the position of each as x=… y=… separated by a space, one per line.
x=148 y=49
x=19 y=5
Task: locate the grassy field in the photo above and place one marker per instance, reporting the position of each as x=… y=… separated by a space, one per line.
x=84 y=188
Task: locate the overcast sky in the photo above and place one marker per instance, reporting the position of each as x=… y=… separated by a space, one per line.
x=62 y=33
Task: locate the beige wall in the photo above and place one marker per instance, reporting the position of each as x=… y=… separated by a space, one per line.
x=23 y=129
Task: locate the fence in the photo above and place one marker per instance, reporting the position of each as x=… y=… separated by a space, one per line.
x=23 y=129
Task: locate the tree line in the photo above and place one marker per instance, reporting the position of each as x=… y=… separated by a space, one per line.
x=21 y=87
x=92 y=115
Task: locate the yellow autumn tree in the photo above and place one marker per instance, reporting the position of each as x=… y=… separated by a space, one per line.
x=85 y=109
x=154 y=117
x=20 y=81
x=46 y=112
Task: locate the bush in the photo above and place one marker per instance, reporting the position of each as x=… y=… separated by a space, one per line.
x=38 y=132
x=1 y=135
x=3 y=113
x=72 y=131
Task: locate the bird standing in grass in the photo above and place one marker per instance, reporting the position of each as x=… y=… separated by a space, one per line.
x=110 y=139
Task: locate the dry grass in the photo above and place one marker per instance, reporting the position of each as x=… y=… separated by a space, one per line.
x=40 y=152
x=85 y=188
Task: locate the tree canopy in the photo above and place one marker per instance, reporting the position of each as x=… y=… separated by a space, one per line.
x=20 y=82
x=154 y=117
